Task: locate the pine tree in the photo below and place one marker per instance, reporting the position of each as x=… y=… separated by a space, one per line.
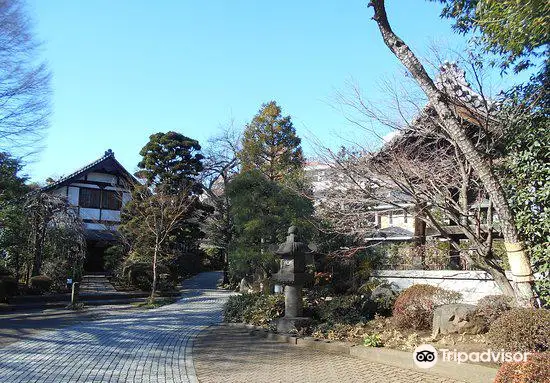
x=270 y=144
x=171 y=161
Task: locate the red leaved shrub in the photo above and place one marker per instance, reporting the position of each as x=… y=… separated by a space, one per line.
x=415 y=305
x=521 y=329
x=534 y=370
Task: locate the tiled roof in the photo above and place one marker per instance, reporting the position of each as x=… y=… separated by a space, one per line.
x=452 y=80
x=109 y=155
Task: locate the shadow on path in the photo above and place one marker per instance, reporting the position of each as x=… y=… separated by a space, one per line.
x=146 y=346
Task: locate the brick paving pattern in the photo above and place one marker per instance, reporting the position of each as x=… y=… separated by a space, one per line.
x=157 y=346
x=231 y=355
x=151 y=346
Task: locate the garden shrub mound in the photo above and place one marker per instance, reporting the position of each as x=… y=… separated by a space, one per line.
x=257 y=309
x=344 y=309
x=383 y=298
x=43 y=283
x=535 y=370
x=521 y=329
x=491 y=307
x=8 y=287
x=414 y=307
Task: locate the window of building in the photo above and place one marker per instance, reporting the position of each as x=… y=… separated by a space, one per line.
x=89 y=198
x=390 y=218
x=110 y=200
x=99 y=199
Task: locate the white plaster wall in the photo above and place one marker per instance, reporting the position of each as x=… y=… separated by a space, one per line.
x=126 y=197
x=113 y=188
x=473 y=285
x=61 y=191
x=88 y=213
x=73 y=195
x=90 y=186
x=102 y=177
x=110 y=215
x=99 y=226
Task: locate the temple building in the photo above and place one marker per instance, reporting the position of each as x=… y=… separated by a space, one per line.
x=98 y=191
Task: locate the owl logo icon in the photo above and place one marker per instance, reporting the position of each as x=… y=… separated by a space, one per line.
x=425 y=356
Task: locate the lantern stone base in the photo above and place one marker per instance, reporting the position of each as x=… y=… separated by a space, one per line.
x=287 y=325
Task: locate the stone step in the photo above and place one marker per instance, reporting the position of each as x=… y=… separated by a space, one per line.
x=96 y=283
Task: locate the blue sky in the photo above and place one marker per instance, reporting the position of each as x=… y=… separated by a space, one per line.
x=123 y=69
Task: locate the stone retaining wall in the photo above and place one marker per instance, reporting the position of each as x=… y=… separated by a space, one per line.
x=473 y=285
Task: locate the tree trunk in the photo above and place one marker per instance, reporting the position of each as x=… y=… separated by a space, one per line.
x=28 y=273
x=501 y=280
x=228 y=229
x=519 y=262
x=225 y=266
x=419 y=234
x=154 y=284
x=40 y=235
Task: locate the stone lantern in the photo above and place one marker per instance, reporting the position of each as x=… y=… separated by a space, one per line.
x=292 y=275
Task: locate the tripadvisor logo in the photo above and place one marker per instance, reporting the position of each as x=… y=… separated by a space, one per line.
x=425 y=356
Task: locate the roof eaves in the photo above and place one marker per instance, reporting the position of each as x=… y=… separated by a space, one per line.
x=108 y=154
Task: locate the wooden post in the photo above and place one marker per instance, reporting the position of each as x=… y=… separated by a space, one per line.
x=74 y=293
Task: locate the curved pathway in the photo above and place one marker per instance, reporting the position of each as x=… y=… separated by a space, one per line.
x=151 y=346
x=230 y=355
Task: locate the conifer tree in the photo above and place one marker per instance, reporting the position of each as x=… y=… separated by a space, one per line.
x=270 y=144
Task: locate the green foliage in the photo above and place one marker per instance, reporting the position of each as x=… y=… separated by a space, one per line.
x=526 y=171
x=138 y=273
x=161 y=222
x=491 y=307
x=236 y=305
x=270 y=145
x=265 y=310
x=14 y=237
x=42 y=283
x=255 y=309
x=3 y=269
x=171 y=161
x=262 y=211
x=534 y=370
x=12 y=185
x=40 y=232
x=382 y=298
x=13 y=221
x=513 y=29
x=244 y=262
x=113 y=258
x=415 y=305
x=521 y=329
x=189 y=263
x=344 y=309
x=8 y=287
x=64 y=254
x=372 y=340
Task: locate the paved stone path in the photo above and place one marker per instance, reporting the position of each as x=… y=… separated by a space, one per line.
x=19 y=325
x=230 y=355
x=152 y=346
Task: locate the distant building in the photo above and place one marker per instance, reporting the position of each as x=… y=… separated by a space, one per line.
x=388 y=222
x=97 y=191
